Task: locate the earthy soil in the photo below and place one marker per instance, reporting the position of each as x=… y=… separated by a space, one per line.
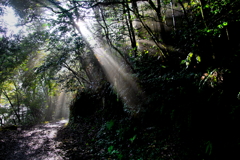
x=33 y=143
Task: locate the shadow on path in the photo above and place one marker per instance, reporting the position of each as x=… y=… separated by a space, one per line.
x=36 y=143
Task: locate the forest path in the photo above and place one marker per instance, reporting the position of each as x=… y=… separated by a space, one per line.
x=37 y=143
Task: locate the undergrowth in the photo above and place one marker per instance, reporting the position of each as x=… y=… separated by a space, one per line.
x=183 y=119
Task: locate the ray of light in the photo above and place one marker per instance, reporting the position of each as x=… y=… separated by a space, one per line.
x=61 y=110
x=114 y=69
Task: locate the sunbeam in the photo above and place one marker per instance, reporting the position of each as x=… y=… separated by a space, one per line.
x=115 y=71
x=61 y=110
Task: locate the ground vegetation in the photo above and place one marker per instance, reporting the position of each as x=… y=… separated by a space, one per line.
x=146 y=79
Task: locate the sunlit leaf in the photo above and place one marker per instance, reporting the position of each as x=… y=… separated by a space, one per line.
x=189 y=57
x=225 y=23
x=220 y=26
x=183 y=61
x=198 y=58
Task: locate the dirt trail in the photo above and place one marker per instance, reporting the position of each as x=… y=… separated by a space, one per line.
x=36 y=143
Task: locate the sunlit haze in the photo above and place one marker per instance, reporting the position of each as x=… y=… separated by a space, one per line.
x=122 y=80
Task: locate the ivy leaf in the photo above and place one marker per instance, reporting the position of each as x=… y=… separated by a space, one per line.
x=183 y=61
x=198 y=58
x=133 y=138
x=225 y=23
x=110 y=149
x=207 y=6
x=109 y=124
x=220 y=26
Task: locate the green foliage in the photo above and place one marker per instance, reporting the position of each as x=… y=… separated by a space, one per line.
x=208 y=24
x=22 y=89
x=190 y=101
x=133 y=138
x=209 y=147
x=66 y=54
x=109 y=124
x=187 y=107
x=11 y=56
